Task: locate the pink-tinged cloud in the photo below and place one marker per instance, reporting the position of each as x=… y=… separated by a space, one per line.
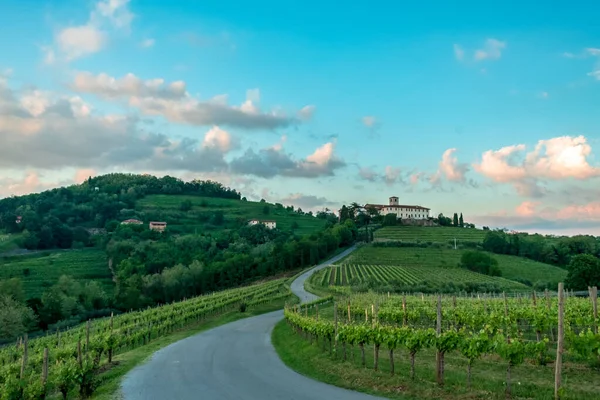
x=83 y=174
x=527 y=208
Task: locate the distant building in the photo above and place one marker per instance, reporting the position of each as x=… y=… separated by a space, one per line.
x=132 y=222
x=401 y=211
x=268 y=223
x=19 y=219
x=158 y=226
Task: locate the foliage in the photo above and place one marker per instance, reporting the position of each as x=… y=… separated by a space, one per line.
x=584 y=271
x=482 y=263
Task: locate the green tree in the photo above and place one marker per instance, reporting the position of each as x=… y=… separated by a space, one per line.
x=455 y=220
x=390 y=220
x=185 y=205
x=15 y=317
x=584 y=271
x=480 y=262
x=461 y=221
x=266 y=210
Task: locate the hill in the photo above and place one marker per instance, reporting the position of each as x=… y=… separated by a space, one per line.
x=201 y=214
x=441 y=234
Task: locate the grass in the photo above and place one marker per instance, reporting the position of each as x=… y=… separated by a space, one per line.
x=167 y=208
x=489 y=374
x=429 y=234
x=110 y=380
x=512 y=267
x=39 y=271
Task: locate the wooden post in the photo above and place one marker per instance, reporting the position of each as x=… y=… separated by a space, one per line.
x=560 y=340
x=349 y=316
x=317 y=311
x=335 y=322
x=534 y=299
x=595 y=307
x=87 y=336
x=111 y=321
x=404 y=319
x=79 y=357
x=439 y=356
x=45 y=368
x=505 y=305
x=366 y=314
x=24 y=359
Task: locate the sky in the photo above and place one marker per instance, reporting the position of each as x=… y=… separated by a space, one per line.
x=492 y=110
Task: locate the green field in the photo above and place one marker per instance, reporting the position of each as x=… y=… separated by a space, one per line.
x=8 y=242
x=342 y=275
x=415 y=257
x=41 y=270
x=429 y=234
x=167 y=208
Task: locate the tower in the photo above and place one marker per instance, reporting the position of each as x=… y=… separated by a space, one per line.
x=393 y=201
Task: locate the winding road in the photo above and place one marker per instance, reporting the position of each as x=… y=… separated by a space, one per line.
x=235 y=361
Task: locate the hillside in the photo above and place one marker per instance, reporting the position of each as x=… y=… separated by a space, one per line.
x=200 y=216
x=517 y=269
x=443 y=234
x=39 y=271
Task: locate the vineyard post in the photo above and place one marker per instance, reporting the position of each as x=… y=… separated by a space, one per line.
x=595 y=307
x=24 y=359
x=317 y=311
x=349 y=319
x=335 y=322
x=87 y=336
x=560 y=339
x=45 y=368
x=366 y=314
x=79 y=357
x=111 y=321
x=373 y=314
x=439 y=356
x=534 y=299
x=404 y=318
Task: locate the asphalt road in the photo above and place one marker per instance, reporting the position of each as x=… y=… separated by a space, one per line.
x=235 y=361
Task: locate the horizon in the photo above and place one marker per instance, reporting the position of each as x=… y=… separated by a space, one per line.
x=454 y=108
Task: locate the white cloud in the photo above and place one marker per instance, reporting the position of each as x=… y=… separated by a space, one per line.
x=369 y=121
x=73 y=42
x=554 y=159
x=459 y=53
x=492 y=50
x=155 y=97
x=306 y=113
x=147 y=43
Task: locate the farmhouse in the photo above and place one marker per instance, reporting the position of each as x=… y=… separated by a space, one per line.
x=401 y=211
x=268 y=223
x=132 y=222
x=158 y=226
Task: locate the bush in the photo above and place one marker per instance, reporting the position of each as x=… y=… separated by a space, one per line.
x=243 y=306
x=480 y=262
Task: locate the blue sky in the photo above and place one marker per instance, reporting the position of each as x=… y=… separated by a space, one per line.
x=385 y=86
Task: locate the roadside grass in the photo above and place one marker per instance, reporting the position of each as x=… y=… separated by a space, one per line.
x=440 y=234
x=488 y=375
x=199 y=217
x=512 y=267
x=110 y=379
x=40 y=270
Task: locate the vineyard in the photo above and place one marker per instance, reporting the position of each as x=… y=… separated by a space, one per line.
x=440 y=234
x=38 y=271
x=347 y=274
x=511 y=267
x=68 y=362
x=522 y=346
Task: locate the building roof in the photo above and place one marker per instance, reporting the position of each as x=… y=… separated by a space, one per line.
x=132 y=221
x=380 y=206
x=157 y=223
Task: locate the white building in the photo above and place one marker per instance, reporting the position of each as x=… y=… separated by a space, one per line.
x=268 y=223
x=401 y=211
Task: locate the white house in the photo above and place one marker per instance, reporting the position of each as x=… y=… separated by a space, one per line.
x=401 y=211
x=268 y=223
